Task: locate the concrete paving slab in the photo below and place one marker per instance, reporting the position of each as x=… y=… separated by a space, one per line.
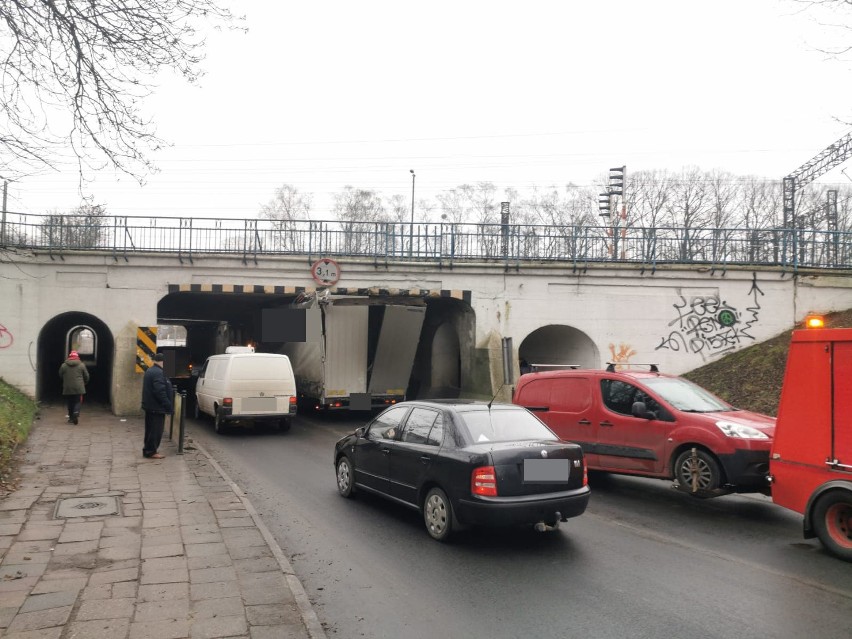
x=185 y=554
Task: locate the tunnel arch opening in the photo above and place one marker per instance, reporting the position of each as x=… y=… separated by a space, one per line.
x=557 y=344
x=89 y=336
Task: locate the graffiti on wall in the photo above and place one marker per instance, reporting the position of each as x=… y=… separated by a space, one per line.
x=620 y=356
x=6 y=338
x=708 y=325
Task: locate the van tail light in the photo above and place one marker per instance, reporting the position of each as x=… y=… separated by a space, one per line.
x=483 y=481
x=293 y=400
x=227 y=401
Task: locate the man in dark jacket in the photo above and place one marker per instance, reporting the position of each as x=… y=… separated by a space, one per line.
x=74 y=376
x=157 y=403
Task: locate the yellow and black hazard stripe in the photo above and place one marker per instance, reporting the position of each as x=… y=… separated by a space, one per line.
x=267 y=289
x=146 y=347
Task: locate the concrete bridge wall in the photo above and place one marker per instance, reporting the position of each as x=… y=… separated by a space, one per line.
x=677 y=317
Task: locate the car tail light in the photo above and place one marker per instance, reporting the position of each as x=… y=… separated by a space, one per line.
x=585 y=474
x=228 y=401
x=483 y=481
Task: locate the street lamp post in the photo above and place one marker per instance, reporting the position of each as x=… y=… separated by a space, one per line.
x=411 y=230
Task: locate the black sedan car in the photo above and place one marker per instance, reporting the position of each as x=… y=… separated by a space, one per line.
x=465 y=463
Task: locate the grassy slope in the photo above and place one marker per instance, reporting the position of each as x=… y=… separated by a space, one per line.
x=16 y=417
x=751 y=378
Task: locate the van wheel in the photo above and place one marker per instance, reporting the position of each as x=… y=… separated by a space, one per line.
x=708 y=475
x=832 y=519
x=284 y=425
x=218 y=423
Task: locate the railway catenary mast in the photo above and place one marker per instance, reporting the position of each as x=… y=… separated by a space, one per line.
x=821 y=163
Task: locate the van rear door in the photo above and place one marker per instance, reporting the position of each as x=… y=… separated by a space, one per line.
x=566 y=405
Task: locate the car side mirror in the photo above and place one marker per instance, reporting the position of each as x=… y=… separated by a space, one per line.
x=359 y=432
x=640 y=410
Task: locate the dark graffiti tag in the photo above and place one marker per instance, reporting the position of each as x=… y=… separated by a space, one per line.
x=705 y=324
x=6 y=338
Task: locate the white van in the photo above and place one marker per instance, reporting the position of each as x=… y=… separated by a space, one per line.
x=244 y=387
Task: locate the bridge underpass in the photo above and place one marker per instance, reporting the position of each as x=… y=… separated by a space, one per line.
x=679 y=316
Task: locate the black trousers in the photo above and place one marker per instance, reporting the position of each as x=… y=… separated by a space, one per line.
x=154 y=423
x=73 y=402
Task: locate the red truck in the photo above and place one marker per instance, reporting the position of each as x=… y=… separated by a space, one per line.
x=810 y=467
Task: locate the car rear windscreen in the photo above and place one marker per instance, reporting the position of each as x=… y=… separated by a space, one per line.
x=498 y=425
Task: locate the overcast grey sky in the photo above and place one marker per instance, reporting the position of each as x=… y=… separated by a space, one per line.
x=322 y=94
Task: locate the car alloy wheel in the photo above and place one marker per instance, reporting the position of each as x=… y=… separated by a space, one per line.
x=707 y=474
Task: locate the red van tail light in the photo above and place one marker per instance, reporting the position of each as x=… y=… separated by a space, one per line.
x=483 y=481
x=293 y=400
x=227 y=401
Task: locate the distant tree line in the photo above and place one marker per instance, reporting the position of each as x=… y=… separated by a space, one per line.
x=691 y=198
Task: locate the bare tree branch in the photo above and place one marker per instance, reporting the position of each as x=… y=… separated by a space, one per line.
x=76 y=72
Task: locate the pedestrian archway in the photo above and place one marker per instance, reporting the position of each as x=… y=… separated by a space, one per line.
x=91 y=338
x=559 y=345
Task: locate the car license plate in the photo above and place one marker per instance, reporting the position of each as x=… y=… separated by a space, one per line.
x=542 y=471
x=258 y=404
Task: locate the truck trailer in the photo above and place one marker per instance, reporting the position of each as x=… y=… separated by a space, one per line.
x=811 y=459
x=357 y=355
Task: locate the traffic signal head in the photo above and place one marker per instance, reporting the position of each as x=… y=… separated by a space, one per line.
x=604 y=204
x=616 y=180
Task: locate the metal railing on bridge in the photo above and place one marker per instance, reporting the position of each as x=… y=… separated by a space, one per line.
x=443 y=243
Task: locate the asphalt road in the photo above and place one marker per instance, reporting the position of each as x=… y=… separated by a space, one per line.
x=643 y=561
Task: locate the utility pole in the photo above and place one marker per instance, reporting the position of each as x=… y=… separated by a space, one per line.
x=3 y=224
x=411 y=230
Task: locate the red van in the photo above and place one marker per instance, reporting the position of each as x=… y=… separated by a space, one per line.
x=655 y=425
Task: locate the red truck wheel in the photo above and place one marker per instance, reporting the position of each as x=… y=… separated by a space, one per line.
x=833 y=522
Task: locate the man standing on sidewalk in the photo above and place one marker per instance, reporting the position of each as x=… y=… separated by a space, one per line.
x=74 y=376
x=157 y=403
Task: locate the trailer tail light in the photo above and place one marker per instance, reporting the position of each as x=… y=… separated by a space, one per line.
x=227 y=401
x=814 y=321
x=483 y=481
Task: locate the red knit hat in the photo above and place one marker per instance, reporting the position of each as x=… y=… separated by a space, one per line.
x=73 y=355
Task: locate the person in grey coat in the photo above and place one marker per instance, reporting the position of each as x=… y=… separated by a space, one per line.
x=157 y=403
x=75 y=376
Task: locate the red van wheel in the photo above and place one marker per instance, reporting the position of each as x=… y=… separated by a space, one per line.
x=833 y=522
x=706 y=469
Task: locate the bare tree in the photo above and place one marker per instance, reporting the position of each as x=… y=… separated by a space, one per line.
x=353 y=207
x=648 y=196
x=76 y=72
x=83 y=227
x=284 y=209
x=288 y=204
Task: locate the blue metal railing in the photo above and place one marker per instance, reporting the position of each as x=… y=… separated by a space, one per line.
x=445 y=243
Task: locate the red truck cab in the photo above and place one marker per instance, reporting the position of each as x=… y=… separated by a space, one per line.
x=811 y=459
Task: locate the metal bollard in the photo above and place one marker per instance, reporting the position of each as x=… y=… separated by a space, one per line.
x=182 y=424
x=172 y=416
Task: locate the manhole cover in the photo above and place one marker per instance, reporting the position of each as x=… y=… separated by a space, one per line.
x=93 y=506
